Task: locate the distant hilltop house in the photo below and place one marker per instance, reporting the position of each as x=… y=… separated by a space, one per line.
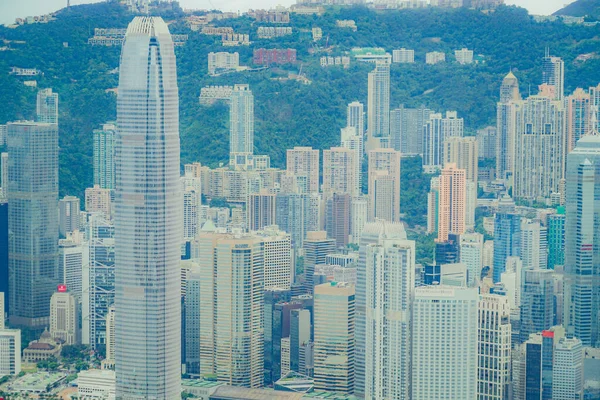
x=277 y=16
x=328 y=61
x=216 y=31
x=435 y=57
x=211 y=94
x=371 y=54
x=346 y=23
x=269 y=32
x=37 y=19
x=25 y=71
x=223 y=62
x=274 y=56
x=235 y=39
x=116 y=37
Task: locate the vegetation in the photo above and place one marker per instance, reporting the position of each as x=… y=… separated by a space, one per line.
x=51 y=364
x=288 y=113
x=582 y=8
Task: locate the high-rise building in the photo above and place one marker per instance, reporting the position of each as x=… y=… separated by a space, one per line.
x=4 y=257
x=4 y=170
x=567 y=370
x=494 y=345
x=582 y=241
x=98 y=280
x=390 y=282
x=241 y=125
x=433 y=202
x=277 y=312
x=68 y=214
x=505 y=131
x=534 y=244
x=378 y=104
x=452 y=202
x=337 y=218
x=98 y=200
x=462 y=151
x=444 y=348
x=356 y=117
x=406 y=129
x=304 y=161
x=372 y=233
x=192 y=201
x=435 y=132
x=352 y=141
x=539 y=158
x=579 y=110
x=292 y=214
x=537 y=301
x=104 y=153
x=300 y=329
x=278 y=266
x=261 y=210
x=32 y=221
x=148 y=216
x=507 y=236
x=110 y=334
x=486 y=143
x=71 y=259
x=10 y=352
x=334 y=337
x=340 y=172
x=64 y=317
x=471 y=254
x=47 y=106
x=316 y=248
x=553 y=74
x=359 y=211
x=556 y=238
x=384 y=184
x=403 y=56
x=2 y=309
x=230 y=307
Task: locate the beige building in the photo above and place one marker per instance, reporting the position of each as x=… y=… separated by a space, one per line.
x=339 y=172
x=384 y=184
x=304 y=161
x=462 y=151
x=97 y=199
x=452 y=202
x=64 y=319
x=334 y=337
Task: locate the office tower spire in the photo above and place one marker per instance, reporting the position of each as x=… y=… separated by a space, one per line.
x=148 y=216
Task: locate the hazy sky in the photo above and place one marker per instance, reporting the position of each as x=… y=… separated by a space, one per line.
x=11 y=9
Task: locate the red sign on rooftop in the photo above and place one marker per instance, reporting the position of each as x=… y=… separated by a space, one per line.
x=62 y=288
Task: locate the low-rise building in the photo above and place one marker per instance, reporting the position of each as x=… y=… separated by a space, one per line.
x=96 y=384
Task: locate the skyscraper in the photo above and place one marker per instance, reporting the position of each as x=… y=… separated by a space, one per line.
x=64 y=318
x=241 y=125
x=494 y=345
x=406 y=129
x=534 y=244
x=505 y=120
x=230 y=308
x=579 y=110
x=316 y=247
x=582 y=233
x=556 y=238
x=452 y=202
x=304 y=161
x=68 y=213
x=378 y=105
x=104 y=153
x=537 y=301
x=148 y=216
x=32 y=221
x=389 y=293
x=444 y=348
x=471 y=254
x=567 y=371
x=462 y=151
x=340 y=172
x=334 y=337
x=47 y=106
x=553 y=74
x=356 y=117
x=337 y=218
x=507 y=236
x=261 y=210
x=384 y=184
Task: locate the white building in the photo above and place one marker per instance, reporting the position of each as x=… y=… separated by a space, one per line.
x=96 y=384
x=435 y=57
x=378 y=106
x=10 y=352
x=464 y=56
x=285 y=355
x=403 y=56
x=356 y=117
x=471 y=254
x=359 y=211
x=389 y=291
x=444 y=349
x=494 y=345
x=222 y=61
x=534 y=244
x=71 y=257
x=68 y=212
x=278 y=270
x=567 y=370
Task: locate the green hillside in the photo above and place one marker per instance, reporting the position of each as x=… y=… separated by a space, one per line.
x=288 y=113
x=582 y=8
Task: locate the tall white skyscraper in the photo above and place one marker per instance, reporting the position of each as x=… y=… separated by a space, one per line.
x=534 y=244
x=493 y=349
x=378 y=106
x=505 y=120
x=389 y=292
x=471 y=254
x=444 y=349
x=582 y=236
x=567 y=370
x=356 y=117
x=64 y=317
x=47 y=106
x=148 y=216
x=241 y=125
x=104 y=153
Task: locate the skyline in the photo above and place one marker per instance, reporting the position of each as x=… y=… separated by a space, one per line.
x=11 y=10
